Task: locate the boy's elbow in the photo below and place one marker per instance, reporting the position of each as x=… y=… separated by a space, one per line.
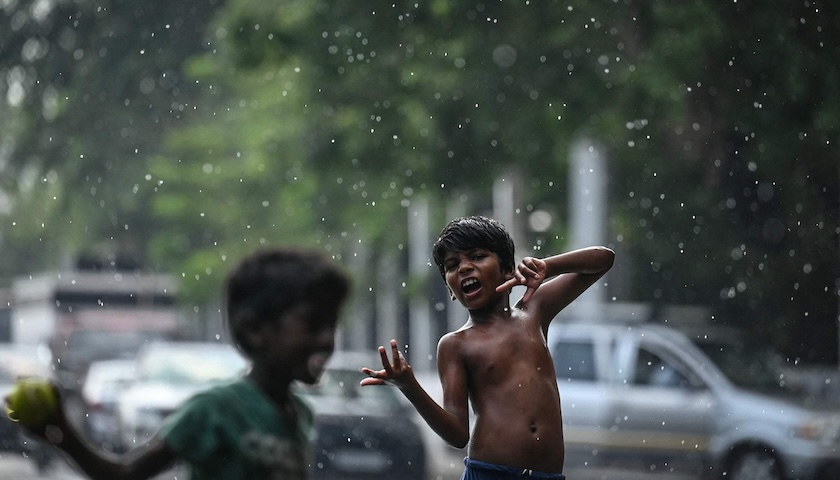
x=455 y=438
x=607 y=256
x=610 y=256
x=459 y=442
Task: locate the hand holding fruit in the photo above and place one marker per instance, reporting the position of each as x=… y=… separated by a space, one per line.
x=32 y=402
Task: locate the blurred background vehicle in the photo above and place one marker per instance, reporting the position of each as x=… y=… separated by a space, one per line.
x=16 y=362
x=362 y=433
x=103 y=384
x=88 y=336
x=167 y=374
x=699 y=401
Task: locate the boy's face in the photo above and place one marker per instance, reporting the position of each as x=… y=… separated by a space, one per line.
x=472 y=276
x=301 y=341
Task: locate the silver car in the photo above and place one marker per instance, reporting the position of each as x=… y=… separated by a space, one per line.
x=103 y=383
x=166 y=375
x=694 y=401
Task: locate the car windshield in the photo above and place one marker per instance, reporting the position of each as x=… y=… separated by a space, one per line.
x=344 y=384
x=191 y=367
x=758 y=368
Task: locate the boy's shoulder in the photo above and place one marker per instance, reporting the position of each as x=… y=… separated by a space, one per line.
x=464 y=336
x=453 y=338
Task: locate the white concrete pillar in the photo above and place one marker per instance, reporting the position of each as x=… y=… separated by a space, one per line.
x=588 y=214
x=421 y=350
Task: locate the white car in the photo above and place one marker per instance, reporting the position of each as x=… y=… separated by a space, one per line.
x=167 y=374
x=696 y=401
x=103 y=383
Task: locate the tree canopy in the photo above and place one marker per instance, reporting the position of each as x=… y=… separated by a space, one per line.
x=182 y=134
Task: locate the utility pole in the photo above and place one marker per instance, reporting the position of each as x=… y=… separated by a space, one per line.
x=421 y=351
x=588 y=214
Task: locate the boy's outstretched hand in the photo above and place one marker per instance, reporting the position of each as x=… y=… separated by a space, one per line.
x=42 y=420
x=398 y=373
x=530 y=272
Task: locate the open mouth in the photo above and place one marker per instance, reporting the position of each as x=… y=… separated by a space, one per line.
x=470 y=285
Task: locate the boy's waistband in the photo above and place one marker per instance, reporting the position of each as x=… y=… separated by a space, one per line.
x=521 y=472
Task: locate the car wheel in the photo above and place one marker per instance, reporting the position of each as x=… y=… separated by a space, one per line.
x=757 y=464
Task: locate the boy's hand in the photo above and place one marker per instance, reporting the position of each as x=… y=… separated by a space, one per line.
x=398 y=373
x=530 y=272
x=52 y=429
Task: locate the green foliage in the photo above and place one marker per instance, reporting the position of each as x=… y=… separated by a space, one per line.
x=188 y=133
x=91 y=88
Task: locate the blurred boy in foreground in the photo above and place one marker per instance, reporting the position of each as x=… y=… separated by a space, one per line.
x=282 y=309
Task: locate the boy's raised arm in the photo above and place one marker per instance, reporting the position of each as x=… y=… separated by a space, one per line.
x=552 y=283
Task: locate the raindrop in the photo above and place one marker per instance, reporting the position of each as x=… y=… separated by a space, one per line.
x=504 y=56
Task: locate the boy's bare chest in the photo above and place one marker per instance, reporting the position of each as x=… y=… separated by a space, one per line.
x=496 y=354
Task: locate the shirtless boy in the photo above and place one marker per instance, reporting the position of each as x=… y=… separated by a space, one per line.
x=499 y=360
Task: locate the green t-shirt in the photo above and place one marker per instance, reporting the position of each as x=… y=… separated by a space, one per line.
x=235 y=432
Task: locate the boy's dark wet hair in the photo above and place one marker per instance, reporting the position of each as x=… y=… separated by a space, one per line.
x=468 y=233
x=268 y=283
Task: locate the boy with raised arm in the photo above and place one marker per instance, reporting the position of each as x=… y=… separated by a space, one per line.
x=499 y=360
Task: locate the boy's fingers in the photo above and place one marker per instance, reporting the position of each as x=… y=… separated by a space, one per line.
x=527 y=295
x=395 y=353
x=385 y=363
x=529 y=273
x=372 y=381
x=508 y=284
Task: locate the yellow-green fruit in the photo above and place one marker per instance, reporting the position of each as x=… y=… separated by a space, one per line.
x=31 y=402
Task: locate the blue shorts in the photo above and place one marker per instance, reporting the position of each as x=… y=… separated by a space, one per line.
x=478 y=470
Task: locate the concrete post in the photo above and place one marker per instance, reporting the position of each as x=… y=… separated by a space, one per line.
x=588 y=214
x=420 y=352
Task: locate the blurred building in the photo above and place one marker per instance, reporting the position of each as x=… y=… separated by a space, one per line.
x=41 y=305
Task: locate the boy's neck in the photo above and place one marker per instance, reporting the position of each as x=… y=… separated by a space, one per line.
x=276 y=388
x=488 y=313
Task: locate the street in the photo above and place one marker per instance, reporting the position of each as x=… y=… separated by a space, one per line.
x=445 y=463
x=14 y=466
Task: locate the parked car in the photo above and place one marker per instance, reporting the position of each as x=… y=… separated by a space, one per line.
x=362 y=433
x=83 y=347
x=88 y=335
x=103 y=384
x=696 y=401
x=167 y=374
x=16 y=362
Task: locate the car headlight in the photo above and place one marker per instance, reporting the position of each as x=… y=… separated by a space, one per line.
x=825 y=430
